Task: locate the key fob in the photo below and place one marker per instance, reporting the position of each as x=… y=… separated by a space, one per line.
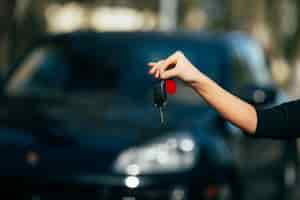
x=160 y=94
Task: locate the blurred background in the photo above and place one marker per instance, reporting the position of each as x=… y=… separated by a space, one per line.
x=266 y=169
x=275 y=24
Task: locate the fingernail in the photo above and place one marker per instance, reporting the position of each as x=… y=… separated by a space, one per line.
x=152 y=70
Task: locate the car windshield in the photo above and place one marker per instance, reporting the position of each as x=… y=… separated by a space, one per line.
x=56 y=70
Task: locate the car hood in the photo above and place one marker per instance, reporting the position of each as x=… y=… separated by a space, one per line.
x=85 y=136
x=100 y=122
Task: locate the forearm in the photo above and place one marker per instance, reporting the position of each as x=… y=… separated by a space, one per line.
x=278 y=122
x=232 y=108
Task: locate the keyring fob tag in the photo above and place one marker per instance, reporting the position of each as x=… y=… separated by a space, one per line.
x=160 y=94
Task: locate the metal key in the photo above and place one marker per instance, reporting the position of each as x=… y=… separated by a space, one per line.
x=161 y=115
x=160 y=98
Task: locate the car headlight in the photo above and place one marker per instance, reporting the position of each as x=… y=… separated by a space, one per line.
x=172 y=153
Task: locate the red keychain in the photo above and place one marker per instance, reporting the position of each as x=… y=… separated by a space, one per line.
x=170 y=86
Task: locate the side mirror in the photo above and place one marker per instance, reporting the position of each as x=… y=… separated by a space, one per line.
x=258 y=95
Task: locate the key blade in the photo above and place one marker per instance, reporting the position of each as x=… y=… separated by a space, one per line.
x=161 y=115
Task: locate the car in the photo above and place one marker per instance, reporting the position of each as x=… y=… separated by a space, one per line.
x=77 y=119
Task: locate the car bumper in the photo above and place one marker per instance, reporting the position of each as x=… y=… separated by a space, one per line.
x=103 y=187
x=136 y=187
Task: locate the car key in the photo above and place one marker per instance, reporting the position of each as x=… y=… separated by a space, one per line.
x=161 y=89
x=160 y=97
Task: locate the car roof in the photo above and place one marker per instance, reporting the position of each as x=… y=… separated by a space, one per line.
x=208 y=51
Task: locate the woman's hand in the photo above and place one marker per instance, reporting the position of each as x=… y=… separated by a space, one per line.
x=177 y=66
x=229 y=106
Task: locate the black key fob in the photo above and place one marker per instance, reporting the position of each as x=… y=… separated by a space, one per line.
x=160 y=97
x=160 y=94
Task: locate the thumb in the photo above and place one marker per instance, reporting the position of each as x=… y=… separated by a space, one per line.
x=169 y=74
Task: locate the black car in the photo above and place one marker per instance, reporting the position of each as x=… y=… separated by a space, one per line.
x=77 y=119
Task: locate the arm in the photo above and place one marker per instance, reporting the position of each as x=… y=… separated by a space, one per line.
x=232 y=108
x=278 y=122
x=229 y=106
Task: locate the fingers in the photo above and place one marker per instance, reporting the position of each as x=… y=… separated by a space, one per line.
x=157 y=74
x=159 y=68
x=168 y=74
x=173 y=59
x=152 y=64
x=155 y=68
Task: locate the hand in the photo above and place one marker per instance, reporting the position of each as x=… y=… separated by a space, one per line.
x=176 y=66
x=229 y=106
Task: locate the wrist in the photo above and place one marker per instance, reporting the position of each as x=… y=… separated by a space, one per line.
x=200 y=82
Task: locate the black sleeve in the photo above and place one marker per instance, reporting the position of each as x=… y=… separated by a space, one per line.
x=279 y=122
